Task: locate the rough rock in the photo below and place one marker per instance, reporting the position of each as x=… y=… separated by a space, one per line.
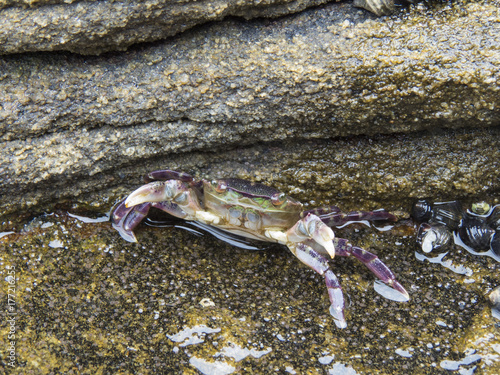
x=92 y=27
x=71 y=125
x=89 y=302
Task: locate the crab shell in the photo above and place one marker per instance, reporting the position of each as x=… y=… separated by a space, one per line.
x=250 y=209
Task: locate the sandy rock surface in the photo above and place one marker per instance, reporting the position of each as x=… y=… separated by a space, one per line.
x=93 y=27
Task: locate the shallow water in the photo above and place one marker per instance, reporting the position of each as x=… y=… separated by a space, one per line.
x=85 y=301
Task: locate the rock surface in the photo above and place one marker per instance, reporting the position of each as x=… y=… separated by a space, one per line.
x=93 y=27
x=72 y=125
x=89 y=302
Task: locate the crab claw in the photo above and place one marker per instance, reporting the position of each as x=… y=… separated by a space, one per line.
x=157 y=191
x=125 y=219
x=311 y=227
x=324 y=236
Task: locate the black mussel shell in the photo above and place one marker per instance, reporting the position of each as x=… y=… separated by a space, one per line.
x=494 y=218
x=475 y=232
x=421 y=210
x=495 y=243
x=447 y=213
x=433 y=237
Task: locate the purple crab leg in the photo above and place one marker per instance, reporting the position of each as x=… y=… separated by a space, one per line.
x=125 y=219
x=318 y=263
x=321 y=211
x=344 y=248
x=334 y=217
x=119 y=211
x=167 y=174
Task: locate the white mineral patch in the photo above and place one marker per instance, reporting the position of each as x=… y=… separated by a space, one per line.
x=403 y=353
x=341 y=369
x=459 y=269
x=280 y=337
x=56 y=243
x=3 y=234
x=238 y=353
x=455 y=365
x=194 y=335
x=211 y=368
x=85 y=219
x=326 y=360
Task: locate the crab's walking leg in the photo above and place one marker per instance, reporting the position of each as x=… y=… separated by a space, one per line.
x=318 y=263
x=334 y=217
x=167 y=174
x=344 y=248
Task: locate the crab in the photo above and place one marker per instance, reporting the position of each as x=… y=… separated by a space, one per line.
x=257 y=211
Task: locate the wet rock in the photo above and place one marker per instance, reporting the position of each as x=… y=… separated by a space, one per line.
x=214 y=100
x=83 y=293
x=93 y=27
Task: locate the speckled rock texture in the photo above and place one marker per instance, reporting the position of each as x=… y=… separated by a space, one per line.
x=89 y=302
x=93 y=27
x=317 y=88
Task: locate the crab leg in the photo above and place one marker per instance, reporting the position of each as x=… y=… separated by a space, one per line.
x=318 y=263
x=334 y=217
x=166 y=174
x=344 y=248
x=124 y=219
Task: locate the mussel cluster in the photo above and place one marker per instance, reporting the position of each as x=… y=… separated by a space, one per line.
x=477 y=227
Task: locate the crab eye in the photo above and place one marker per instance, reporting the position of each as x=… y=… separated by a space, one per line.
x=219 y=186
x=278 y=199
